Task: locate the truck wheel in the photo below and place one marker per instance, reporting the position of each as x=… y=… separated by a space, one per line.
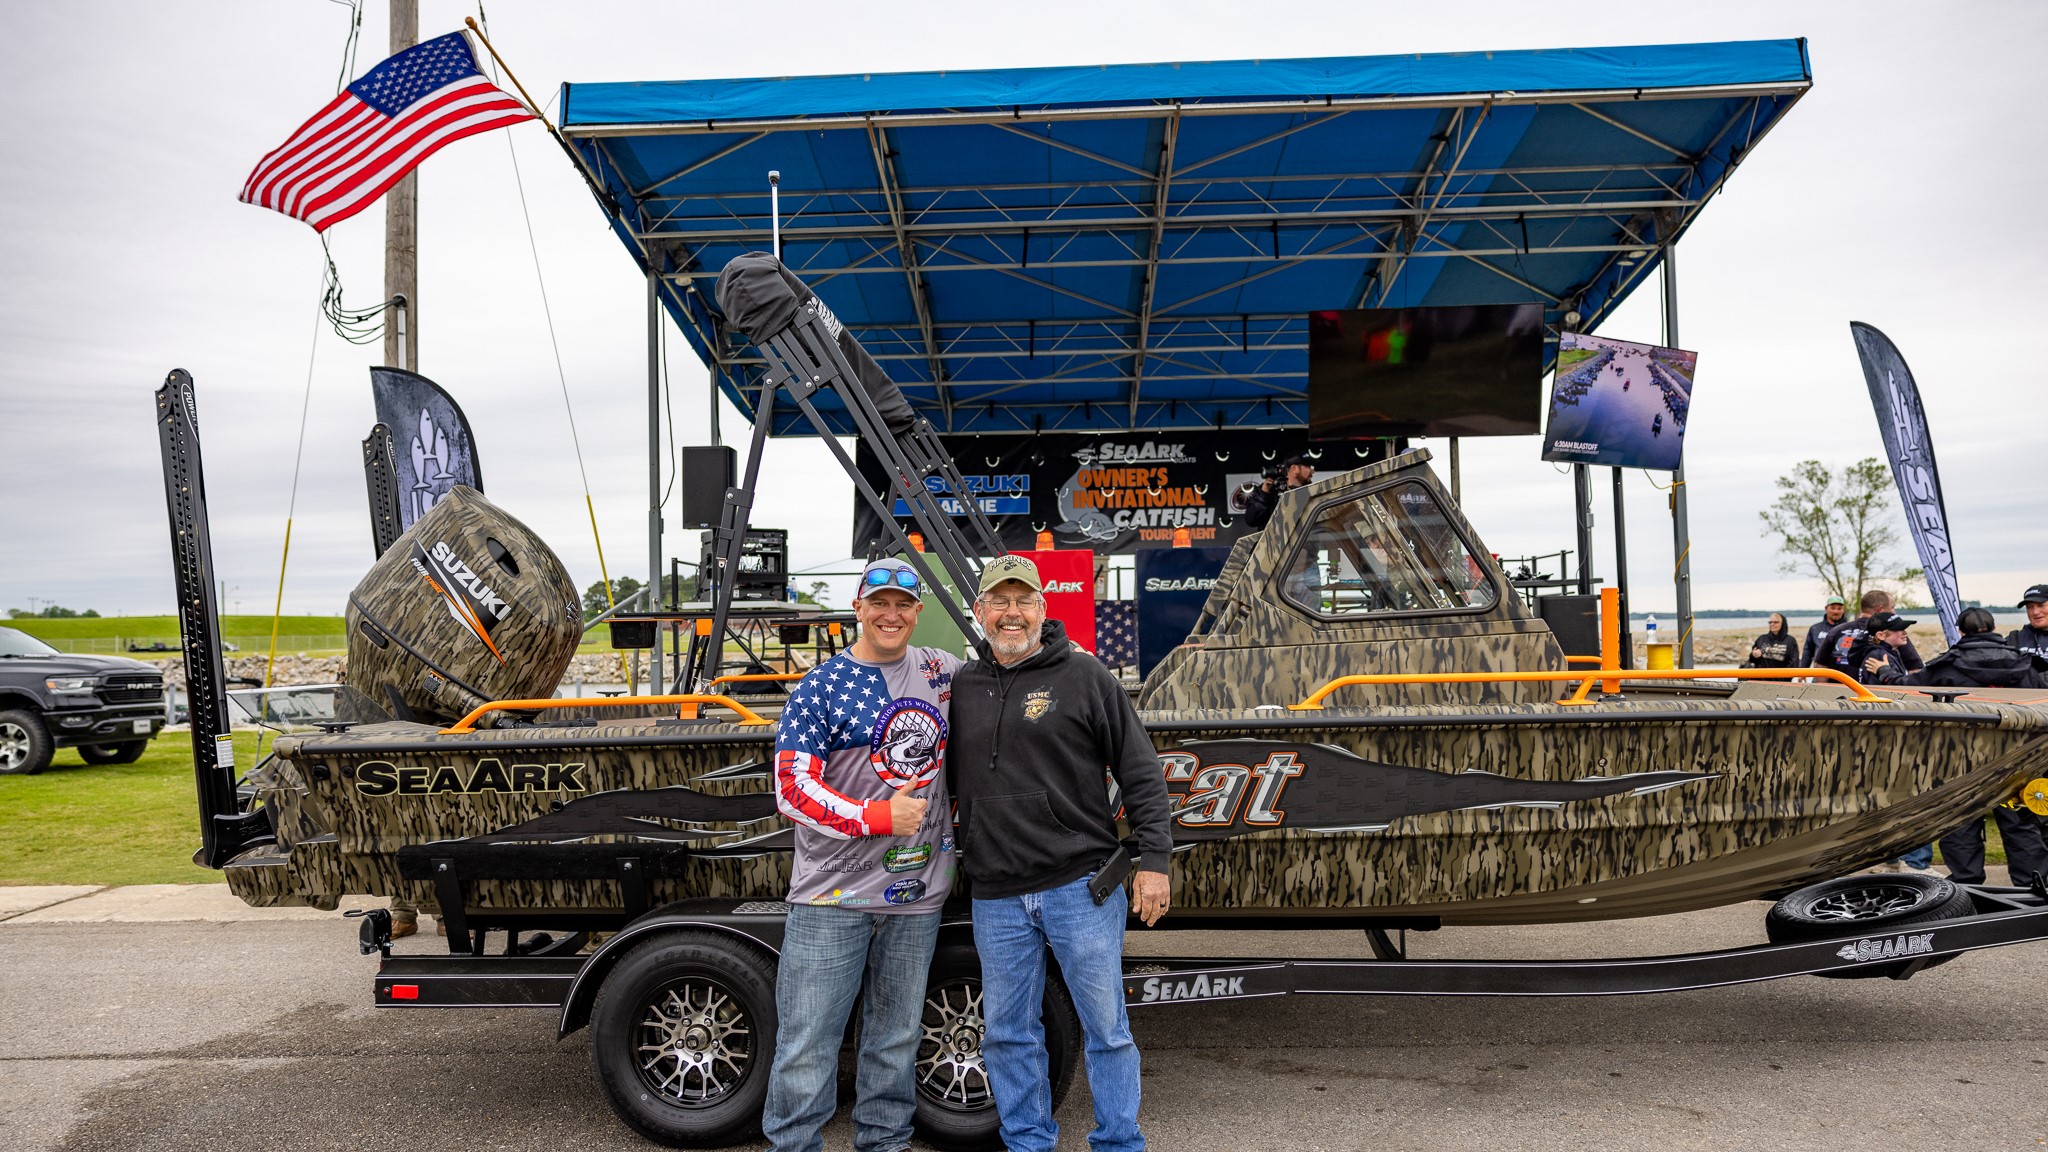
x=24 y=743
x=1866 y=905
x=956 y=1109
x=682 y=1034
x=124 y=753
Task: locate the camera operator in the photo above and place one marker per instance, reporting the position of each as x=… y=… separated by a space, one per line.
x=1294 y=472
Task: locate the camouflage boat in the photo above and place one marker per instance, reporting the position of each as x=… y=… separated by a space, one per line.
x=1420 y=797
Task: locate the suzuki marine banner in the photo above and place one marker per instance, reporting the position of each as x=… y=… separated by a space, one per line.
x=431 y=443
x=1114 y=492
x=1904 y=427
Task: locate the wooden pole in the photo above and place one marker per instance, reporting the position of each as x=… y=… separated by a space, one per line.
x=401 y=232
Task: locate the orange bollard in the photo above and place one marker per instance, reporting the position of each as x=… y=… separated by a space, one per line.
x=1610 y=635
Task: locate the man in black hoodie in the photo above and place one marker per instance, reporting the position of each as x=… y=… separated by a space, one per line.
x=1036 y=724
x=1981 y=659
x=2032 y=637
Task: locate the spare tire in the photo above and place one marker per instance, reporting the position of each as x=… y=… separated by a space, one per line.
x=1867 y=904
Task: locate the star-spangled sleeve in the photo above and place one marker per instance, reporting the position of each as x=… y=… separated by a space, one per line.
x=803 y=743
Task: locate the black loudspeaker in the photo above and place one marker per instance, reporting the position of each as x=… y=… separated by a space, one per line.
x=708 y=471
x=1574 y=620
x=632 y=633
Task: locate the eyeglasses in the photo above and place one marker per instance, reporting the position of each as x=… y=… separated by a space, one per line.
x=883 y=577
x=1005 y=603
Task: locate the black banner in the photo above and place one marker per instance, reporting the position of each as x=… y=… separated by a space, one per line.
x=1114 y=492
x=432 y=446
x=1903 y=424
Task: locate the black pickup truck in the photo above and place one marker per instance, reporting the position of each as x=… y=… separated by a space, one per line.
x=108 y=707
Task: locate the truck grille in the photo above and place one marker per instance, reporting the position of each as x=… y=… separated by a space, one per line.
x=132 y=690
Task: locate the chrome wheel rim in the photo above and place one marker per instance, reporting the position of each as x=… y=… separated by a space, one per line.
x=1866 y=903
x=950 y=1069
x=15 y=746
x=694 y=1043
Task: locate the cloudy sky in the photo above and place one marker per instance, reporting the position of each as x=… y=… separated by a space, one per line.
x=1898 y=192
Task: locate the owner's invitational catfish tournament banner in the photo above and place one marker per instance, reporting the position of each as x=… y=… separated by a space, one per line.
x=1113 y=492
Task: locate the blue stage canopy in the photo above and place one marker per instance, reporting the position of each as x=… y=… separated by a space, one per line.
x=1137 y=246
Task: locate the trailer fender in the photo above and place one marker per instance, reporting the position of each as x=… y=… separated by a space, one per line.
x=759 y=922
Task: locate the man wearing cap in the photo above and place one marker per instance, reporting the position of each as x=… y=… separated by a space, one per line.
x=859 y=759
x=1882 y=662
x=1817 y=633
x=2032 y=637
x=1037 y=722
x=1295 y=472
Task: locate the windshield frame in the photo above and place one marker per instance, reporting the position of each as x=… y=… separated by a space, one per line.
x=9 y=644
x=1313 y=516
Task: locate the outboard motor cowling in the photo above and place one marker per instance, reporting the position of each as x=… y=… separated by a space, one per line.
x=466 y=607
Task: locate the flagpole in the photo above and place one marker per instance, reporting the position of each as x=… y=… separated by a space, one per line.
x=590 y=177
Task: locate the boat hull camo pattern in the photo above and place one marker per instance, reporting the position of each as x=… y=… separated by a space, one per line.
x=1477 y=815
x=1467 y=803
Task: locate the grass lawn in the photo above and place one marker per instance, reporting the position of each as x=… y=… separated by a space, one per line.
x=137 y=823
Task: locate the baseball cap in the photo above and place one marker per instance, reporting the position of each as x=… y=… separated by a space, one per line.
x=1301 y=458
x=2035 y=595
x=1836 y=600
x=889 y=572
x=1011 y=567
x=1890 y=622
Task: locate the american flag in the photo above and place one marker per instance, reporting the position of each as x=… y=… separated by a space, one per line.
x=398 y=114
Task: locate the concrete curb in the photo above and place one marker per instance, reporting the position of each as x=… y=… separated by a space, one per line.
x=148 y=904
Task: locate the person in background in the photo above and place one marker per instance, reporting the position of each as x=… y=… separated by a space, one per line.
x=1847 y=645
x=2032 y=637
x=1296 y=471
x=1836 y=610
x=1979 y=659
x=1884 y=663
x=1776 y=648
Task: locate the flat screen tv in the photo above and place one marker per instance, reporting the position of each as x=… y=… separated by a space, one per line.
x=1472 y=370
x=1618 y=403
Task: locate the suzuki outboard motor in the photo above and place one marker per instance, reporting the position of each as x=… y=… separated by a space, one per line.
x=468 y=606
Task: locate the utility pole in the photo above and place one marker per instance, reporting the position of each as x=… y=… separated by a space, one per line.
x=401 y=233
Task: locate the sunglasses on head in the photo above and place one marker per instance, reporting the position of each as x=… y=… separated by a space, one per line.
x=883 y=577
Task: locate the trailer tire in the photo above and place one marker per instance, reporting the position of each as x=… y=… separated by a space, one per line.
x=966 y=1121
x=126 y=752
x=25 y=746
x=1867 y=904
x=711 y=995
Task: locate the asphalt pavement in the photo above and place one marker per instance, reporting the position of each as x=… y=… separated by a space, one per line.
x=168 y=1030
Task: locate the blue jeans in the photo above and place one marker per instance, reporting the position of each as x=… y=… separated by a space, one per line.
x=830 y=956
x=1088 y=940
x=1919 y=859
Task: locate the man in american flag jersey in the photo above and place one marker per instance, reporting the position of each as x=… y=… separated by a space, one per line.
x=859 y=758
x=378 y=129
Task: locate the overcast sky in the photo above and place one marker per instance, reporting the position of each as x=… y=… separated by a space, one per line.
x=1900 y=191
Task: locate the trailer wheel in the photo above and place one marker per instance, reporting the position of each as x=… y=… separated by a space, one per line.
x=1866 y=904
x=956 y=1109
x=127 y=752
x=682 y=1034
x=25 y=746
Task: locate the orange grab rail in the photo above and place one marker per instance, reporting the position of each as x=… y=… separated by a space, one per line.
x=1314 y=701
x=1582 y=659
x=468 y=723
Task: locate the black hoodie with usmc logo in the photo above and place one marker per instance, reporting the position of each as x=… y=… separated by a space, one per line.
x=1030 y=748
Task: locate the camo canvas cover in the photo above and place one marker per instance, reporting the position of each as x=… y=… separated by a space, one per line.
x=465 y=607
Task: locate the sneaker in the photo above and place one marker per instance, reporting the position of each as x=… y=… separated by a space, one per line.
x=1888 y=866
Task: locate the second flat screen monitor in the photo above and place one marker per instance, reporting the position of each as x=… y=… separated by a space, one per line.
x=1473 y=370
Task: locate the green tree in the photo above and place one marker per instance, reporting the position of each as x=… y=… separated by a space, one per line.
x=1838 y=529
x=594 y=602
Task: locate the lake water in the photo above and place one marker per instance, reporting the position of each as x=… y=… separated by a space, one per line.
x=2008 y=619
